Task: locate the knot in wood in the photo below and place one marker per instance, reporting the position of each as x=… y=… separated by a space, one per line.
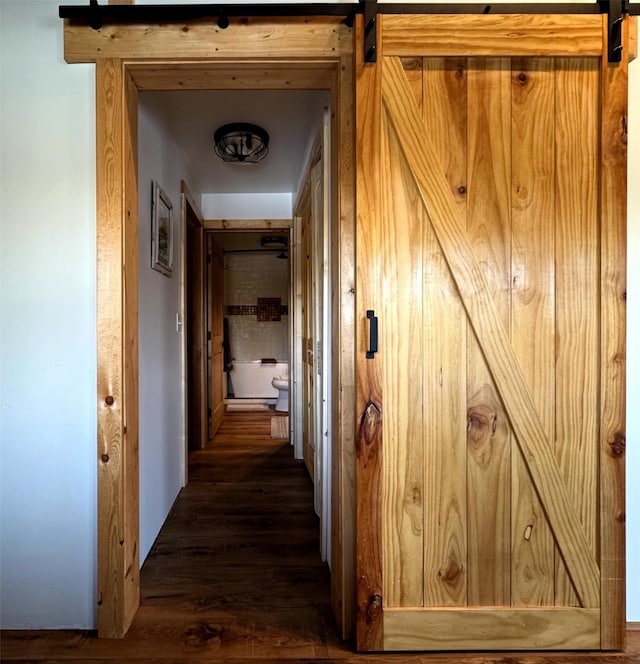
x=370 y=424
x=522 y=78
x=204 y=633
x=618 y=444
x=481 y=423
x=109 y=400
x=374 y=607
x=452 y=573
x=105 y=458
x=482 y=427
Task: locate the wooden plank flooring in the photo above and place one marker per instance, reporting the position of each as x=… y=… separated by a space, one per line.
x=235 y=575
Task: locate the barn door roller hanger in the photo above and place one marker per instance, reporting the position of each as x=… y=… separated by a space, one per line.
x=96 y=15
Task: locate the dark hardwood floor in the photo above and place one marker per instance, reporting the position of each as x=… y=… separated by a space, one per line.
x=235 y=575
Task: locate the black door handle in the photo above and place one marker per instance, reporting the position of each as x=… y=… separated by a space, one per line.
x=373 y=333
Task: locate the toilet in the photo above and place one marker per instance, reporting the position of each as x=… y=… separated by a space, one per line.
x=281 y=383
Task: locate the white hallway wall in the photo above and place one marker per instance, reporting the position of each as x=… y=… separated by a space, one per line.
x=47 y=304
x=48 y=343
x=49 y=347
x=161 y=414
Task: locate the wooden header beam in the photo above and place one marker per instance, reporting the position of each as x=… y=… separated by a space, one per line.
x=97 y=15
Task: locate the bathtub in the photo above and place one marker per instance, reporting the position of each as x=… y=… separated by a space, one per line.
x=252 y=380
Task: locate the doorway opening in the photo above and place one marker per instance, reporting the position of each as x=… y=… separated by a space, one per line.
x=244 y=324
x=254 y=288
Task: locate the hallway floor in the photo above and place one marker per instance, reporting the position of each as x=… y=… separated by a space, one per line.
x=235 y=574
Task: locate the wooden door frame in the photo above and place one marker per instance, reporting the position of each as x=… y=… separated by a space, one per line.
x=214 y=417
x=286 y=53
x=189 y=207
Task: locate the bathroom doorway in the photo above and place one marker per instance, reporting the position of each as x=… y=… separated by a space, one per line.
x=255 y=289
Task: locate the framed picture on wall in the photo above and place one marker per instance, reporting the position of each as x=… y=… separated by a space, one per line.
x=161 y=231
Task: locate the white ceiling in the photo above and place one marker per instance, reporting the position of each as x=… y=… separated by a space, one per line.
x=291 y=118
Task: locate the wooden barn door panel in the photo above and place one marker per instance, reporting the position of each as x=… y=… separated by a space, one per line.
x=533 y=308
x=479 y=444
x=497 y=389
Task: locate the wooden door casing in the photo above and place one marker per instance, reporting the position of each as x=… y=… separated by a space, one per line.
x=117 y=348
x=195 y=332
x=480 y=447
x=316 y=232
x=274 y=53
x=215 y=286
x=308 y=355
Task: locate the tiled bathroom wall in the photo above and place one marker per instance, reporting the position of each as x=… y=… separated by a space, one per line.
x=257 y=305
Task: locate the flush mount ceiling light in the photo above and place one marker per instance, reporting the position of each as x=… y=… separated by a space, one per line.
x=241 y=143
x=273 y=242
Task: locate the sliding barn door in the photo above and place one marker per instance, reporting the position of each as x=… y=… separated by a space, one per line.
x=491 y=253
